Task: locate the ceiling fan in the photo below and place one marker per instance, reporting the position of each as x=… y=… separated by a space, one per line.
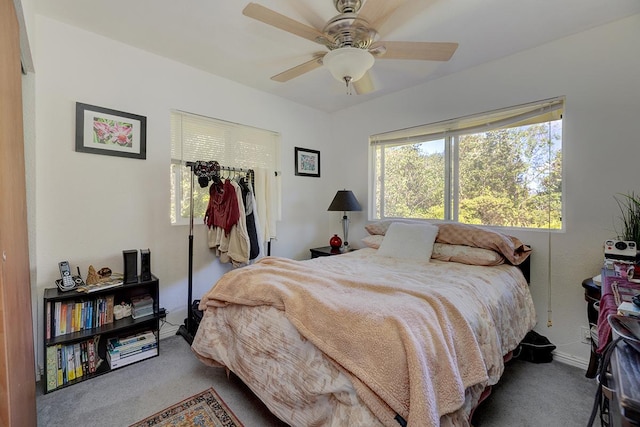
x=351 y=38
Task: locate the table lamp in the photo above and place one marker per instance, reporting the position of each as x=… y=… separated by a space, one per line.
x=345 y=201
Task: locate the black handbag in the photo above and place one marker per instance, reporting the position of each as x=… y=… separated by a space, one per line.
x=534 y=348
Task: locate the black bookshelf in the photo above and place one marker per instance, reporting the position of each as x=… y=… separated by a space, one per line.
x=125 y=326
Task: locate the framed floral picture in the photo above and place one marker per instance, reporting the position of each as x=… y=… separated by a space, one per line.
x=110 y=132
x=307 y=162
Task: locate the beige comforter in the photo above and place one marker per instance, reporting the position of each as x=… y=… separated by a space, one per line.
x=412 y=337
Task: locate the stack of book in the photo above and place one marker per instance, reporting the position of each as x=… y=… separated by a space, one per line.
x=141 y=306
x=123 y=351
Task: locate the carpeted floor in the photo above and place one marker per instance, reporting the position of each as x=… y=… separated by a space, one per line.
x=529 y=395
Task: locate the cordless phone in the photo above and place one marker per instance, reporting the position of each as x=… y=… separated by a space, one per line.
x=67 y=281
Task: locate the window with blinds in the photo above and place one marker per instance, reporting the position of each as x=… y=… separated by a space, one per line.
x=501 y=168
x=196 y=138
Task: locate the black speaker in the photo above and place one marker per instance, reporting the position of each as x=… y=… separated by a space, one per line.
x=130 y=265
x=145 y=264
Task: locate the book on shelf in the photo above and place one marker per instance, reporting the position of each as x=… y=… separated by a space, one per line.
x=109 y=308
x=71 y=368
x=118 y=363
x=52 y=367
x=60 y=367
x=91 y=350
x=84 y=352
x=63 y=319
x=48 y=317
x=56 y=318
x=77 y=360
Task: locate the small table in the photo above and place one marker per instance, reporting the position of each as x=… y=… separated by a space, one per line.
x=325 y=251
x=592 y=293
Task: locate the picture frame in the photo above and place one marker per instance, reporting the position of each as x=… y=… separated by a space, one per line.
x=110 y=132
x=307 y=162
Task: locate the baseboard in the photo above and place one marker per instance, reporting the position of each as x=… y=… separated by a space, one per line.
x=570 y=360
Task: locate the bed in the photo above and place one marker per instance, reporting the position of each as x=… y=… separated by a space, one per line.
x=380 y=336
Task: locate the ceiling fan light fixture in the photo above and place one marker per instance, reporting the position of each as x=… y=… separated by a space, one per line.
x=348 y=64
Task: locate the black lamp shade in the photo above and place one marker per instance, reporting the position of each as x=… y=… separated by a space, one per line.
x=344 y=201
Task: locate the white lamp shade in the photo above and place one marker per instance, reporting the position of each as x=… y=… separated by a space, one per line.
x=348 y=62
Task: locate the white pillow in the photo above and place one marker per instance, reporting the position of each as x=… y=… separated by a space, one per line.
x=409 y=241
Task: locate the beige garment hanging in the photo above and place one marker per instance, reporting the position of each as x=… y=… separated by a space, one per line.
x=267 y=193
x=233 y=247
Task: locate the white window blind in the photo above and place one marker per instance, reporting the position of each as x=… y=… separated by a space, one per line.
x=196 y=138
x=230 y=144
x=535 y=112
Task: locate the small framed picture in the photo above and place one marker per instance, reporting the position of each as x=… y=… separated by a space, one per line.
x=110 y=132
x=307 y=162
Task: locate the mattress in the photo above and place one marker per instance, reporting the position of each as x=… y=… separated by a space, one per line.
x=272 y=350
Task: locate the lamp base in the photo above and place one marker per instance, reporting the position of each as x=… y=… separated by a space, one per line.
x=345 y=232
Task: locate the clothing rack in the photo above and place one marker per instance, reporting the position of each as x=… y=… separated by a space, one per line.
x=205 y=171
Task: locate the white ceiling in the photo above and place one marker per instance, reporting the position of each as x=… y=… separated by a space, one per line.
x=214 y=36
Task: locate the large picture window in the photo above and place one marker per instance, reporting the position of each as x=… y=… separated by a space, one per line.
x=502 y=168
x=196 y=138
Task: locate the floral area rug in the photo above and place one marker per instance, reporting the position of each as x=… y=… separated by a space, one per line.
x=205 y=409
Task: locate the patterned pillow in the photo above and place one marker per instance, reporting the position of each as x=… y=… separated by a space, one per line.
x=472 y=235
x=454 y=253
x=455 y=233
x=373 y=241
x=466 y=254
x=380 y=228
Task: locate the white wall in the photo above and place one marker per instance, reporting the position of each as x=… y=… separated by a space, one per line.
x=91 y=207
x=598 y=72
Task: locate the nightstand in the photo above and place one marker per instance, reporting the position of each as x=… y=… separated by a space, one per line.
x=325 y=251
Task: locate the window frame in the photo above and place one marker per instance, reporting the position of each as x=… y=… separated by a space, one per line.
x=450 y=131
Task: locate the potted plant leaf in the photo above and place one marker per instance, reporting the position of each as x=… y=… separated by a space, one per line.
x=629 y=206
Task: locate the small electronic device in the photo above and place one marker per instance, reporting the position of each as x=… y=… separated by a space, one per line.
x=620 y=250
x=145 y=264
x=130 y=265
x=68 y=282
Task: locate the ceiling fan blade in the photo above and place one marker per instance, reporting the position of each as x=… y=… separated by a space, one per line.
x=377 y=11
x=426 y=51
x=269 y=17
x=298 y=70
x=364 y=84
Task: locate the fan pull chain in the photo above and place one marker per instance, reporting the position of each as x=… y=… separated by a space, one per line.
x=347 y=80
